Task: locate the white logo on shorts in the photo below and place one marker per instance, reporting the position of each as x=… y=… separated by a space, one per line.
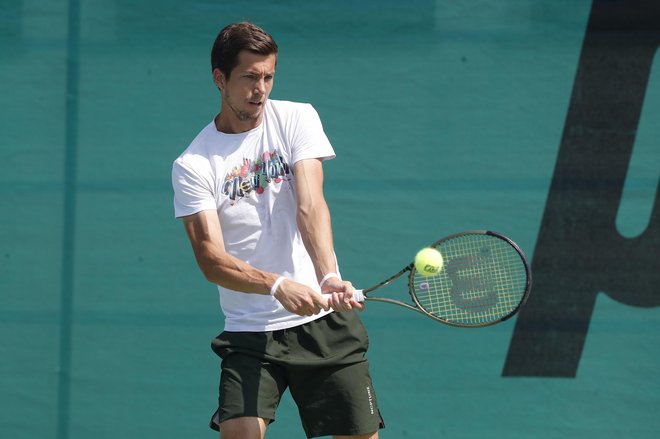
x=371 y=402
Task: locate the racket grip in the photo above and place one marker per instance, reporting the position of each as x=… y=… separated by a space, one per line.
x=358 y=295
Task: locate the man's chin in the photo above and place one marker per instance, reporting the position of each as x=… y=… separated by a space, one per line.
x=252 y=116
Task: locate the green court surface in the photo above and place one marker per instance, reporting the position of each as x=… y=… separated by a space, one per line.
x=445 y=116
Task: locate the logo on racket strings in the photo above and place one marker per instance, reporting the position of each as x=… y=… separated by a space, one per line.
x=472 y=288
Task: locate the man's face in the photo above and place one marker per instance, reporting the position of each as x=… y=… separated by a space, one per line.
x=244 y=94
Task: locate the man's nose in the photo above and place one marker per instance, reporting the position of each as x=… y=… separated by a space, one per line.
x=260 y=86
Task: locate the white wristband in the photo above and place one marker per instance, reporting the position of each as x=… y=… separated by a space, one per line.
x=328 y=276
x=277 y=283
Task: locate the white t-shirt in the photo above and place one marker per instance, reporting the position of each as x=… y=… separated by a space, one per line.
x=247 y=178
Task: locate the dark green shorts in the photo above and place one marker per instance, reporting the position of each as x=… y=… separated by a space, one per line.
x=322 y=362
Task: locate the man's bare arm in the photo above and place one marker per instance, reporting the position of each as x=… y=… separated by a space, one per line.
x=221 y=268
x=315 y=226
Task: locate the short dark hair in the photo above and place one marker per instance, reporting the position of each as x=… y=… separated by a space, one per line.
x=236 y=37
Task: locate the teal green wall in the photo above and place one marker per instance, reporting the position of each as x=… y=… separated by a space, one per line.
x=445 y=116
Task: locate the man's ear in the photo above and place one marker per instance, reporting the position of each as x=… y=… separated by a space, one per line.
x=219 y=79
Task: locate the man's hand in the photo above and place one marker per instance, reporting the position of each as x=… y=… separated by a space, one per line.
x=342 y=295
x=300 y=299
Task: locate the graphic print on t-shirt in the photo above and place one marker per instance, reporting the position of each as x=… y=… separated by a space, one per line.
x=254 y=175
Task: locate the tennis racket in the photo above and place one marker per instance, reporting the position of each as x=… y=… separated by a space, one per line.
x=485 y=280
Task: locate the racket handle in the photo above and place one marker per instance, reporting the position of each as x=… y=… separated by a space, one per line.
x=358 y=295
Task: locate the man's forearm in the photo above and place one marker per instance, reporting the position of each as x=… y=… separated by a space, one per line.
x=218 y=266
x=234 y=274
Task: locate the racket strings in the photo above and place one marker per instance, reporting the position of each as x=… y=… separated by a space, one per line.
x=483 y=280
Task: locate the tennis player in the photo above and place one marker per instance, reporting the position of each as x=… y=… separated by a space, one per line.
x=249 y=189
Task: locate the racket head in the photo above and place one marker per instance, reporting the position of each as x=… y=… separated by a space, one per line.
x=485 y=280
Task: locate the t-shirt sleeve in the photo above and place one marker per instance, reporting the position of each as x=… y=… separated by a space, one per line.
x=309 y=140
x=192 y=192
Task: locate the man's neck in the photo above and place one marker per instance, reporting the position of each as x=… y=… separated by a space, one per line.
x=226 y=122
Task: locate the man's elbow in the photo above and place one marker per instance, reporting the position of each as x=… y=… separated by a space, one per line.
x=209 y=265
x=311 y=209
x=209 y=273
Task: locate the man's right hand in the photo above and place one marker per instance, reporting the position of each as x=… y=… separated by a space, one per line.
x=300 y=299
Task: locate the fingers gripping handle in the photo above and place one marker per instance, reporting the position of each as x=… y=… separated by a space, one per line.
x=358 y=295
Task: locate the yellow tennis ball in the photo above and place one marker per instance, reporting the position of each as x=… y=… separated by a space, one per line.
x=428 y=261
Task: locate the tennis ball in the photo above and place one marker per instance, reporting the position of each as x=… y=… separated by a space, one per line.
x=428 y=261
